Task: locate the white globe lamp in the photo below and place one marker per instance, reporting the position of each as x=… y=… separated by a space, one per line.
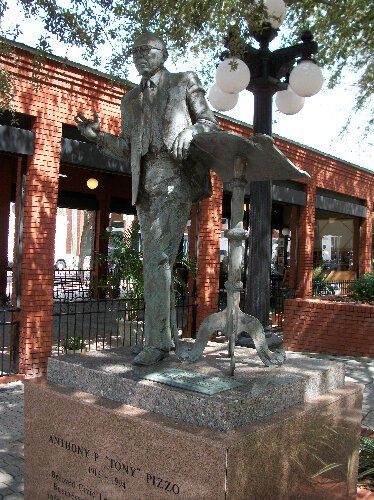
x=306 y=79
x=276 y=12
x=222 y=101
x=288 y=102
x=232 y=75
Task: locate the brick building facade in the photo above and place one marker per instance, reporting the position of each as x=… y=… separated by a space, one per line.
x=45 y=165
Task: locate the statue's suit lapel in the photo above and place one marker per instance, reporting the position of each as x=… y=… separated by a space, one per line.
x=136 y=124
x=163 y=92
x=136 y=112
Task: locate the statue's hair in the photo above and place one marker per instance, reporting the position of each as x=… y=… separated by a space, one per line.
x=148 y=38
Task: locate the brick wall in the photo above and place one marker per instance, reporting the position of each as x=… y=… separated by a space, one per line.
x=65 y=91
x=329 y=327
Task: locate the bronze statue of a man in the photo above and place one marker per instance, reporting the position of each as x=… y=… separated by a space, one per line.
x=160 y=117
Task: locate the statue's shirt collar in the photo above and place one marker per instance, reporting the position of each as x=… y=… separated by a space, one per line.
x=153 y=81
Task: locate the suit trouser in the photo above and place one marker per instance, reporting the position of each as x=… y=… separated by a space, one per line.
x=163 y=210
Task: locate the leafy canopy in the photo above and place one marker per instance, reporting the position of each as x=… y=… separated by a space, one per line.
x=344 y=29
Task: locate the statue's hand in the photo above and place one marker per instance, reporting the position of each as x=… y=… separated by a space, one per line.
x=90 y=129
x=182 y=143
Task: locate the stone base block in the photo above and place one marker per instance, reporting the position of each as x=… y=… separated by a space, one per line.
x=262 y=391
x=81 y=446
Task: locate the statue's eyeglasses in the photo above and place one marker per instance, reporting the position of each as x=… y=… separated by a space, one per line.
x=142 y=51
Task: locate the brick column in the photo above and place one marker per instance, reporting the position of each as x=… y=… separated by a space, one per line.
x=209 y=251
x=5 y=188
x=38 y=249
x=306 y=243
x=366 y=240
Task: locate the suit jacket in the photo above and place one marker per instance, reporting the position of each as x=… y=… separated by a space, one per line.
x=180 y=104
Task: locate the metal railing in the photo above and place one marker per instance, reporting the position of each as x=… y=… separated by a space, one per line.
x=323 y=288
x=107 y=323
x=72 y=284
x=9 y=341
x=278 y=294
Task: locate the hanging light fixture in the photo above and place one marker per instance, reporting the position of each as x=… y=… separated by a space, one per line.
x=222 y=101
x=288 y=102
x=306 y=79
x=276 y=12
x=92 y=183
x=232 y=75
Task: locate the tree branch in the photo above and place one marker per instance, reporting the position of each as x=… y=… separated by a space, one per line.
x=323 y=2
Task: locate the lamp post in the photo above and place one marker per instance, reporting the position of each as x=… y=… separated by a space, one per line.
x=271 y=72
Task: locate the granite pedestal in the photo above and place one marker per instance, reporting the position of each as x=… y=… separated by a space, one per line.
x=98 y=429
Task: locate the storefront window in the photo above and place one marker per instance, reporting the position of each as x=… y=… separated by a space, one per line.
x=333 y=243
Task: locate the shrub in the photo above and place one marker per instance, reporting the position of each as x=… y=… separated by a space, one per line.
x=366 y=464
x=74 y=344
x=363 y=288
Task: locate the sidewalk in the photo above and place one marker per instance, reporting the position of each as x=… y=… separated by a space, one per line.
x=11 y=441
x=359 y=370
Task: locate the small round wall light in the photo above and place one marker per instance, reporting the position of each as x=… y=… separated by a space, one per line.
x=92 y=183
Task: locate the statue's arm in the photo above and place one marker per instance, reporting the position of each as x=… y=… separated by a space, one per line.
x=116 y=146
x=203 y=119
x=202 y=116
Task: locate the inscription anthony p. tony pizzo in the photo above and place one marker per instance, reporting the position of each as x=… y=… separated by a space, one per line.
x=101 y=466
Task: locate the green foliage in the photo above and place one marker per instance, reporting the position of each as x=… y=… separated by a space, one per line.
x=366 y=462
x=363 y=288
x=317 y=272
x=320 y=286
x=125 y=262
x=74 y=344
x=6 y=79
x=344 y=30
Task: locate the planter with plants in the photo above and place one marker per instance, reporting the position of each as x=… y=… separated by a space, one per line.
x=73 y=345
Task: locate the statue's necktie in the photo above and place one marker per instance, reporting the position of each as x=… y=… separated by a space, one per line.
x=148 y=114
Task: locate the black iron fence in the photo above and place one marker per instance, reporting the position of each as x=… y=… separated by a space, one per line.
x=323 y=288
x=105 y=323
x=72 y=284
x=9 y=341
x=278 y=294
x=80 y=320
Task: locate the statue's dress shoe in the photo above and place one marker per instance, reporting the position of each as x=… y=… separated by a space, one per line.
x=150 y=356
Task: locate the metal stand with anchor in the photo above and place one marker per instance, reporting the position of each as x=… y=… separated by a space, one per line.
x=238 y=161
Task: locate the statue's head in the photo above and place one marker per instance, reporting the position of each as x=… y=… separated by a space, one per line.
x=149 y=54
